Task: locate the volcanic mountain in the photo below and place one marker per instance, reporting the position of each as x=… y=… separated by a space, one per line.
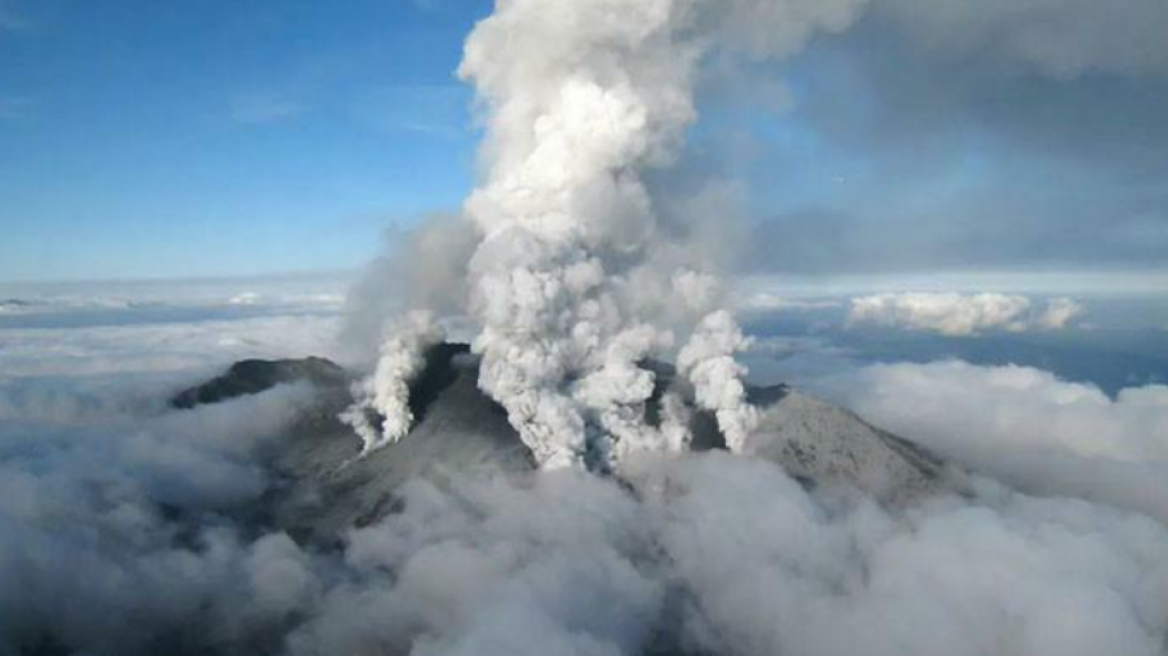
x=324 y=488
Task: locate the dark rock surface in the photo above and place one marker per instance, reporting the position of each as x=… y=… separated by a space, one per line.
x=255 y=376
x=324 y=488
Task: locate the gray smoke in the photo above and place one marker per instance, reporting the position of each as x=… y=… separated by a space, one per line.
x=581 y=100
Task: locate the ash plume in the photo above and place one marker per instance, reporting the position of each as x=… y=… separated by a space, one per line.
x=233 y=518
x=580 y=101
x=387 y=391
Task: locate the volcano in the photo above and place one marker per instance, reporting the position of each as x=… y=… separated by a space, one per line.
x=323 y=488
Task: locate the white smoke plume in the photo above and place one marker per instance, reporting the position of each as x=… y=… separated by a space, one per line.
x=387 y=391
x=708 y=362
x=582 y=99
x=421 y=268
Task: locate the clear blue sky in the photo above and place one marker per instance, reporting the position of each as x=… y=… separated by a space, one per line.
x=147 y=138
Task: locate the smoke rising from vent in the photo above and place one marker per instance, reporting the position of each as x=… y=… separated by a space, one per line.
x=387 y=391
x=580 y=101
x=128 y=526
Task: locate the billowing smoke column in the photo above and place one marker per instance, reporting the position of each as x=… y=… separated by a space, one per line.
x=582 y=98
x=387 y=391
x=708 y=362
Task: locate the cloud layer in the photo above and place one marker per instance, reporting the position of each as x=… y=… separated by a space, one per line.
x=1028 y=427
x=712 y=554
x=108 y=500
x=748 y=563
x=961 y=315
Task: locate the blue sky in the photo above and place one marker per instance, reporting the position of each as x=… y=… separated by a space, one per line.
x=147 y=138
x=144 y=138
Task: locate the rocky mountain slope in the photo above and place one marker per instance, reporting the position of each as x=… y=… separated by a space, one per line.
x=323 y=488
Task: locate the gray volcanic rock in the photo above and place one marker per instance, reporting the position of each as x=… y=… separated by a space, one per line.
x=458 y=430
x=820 y=444
x=322 y=488
x=255 y=376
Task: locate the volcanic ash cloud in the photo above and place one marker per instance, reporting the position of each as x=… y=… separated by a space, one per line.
x=581 y=99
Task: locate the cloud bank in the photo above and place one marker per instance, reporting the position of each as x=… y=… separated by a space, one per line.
x=119 y=517
x=709 y=554
x=112 y=539
x=960 y=315
x=748 y=563
x=111 y=502
x=1028 y=427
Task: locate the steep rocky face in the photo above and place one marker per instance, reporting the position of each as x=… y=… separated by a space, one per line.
x=322 y=487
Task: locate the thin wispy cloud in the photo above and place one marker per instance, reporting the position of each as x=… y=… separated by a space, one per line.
x=257 y=108
x=431 y=110
x=15 y=107
x=10 y=19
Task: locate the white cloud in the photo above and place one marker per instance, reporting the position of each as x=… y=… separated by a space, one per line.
x=91 y=461
x=763 y=301
x=245 y=298
x=1046 y=283
x=1025 y=425
x=164 y=330
x=161 y=348
x=955 y=314
x=771 y=572
x=716 y=554
x=260 y=107
x=1060 y=312
x=278 y=292
x=710 y=554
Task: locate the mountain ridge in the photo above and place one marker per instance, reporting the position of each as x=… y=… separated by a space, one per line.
x=321 y=488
